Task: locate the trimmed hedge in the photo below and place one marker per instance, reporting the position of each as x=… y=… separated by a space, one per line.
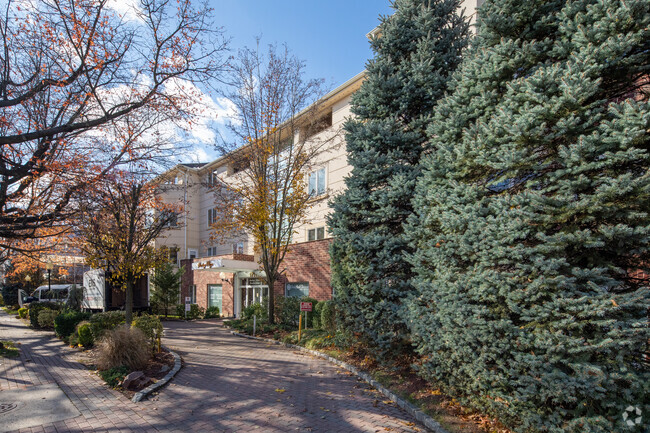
x=66 y=322
x=35 y=309
x=106 y=321
x=328 y=316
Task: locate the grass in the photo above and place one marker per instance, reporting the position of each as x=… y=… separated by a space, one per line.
x=9 y=349
x=10 y=310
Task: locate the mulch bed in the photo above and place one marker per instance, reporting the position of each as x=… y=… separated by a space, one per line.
x=153 y=370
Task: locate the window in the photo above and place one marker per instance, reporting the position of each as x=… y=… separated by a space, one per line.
x=317 y=182
x=297 y=290
x=238 y=248
x=316 y=234
x=192 y=254
x=173 y=255
x=212 y=251
x=212 y=216
x=193 y=294
x=170 y=217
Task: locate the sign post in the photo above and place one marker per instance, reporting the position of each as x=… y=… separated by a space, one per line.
x=187 y=305
x=304 y=306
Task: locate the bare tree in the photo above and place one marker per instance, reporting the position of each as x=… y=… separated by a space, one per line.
x=82 y=90
x=265 y=196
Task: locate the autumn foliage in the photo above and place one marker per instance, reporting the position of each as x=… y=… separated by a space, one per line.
x=83 y=90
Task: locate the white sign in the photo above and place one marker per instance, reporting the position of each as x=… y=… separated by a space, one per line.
x=188 y=299
x=208 y=264
x=187 y=307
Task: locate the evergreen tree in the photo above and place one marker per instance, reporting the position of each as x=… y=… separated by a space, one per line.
x=416 y=49
x=532 y=219
x=166 y=286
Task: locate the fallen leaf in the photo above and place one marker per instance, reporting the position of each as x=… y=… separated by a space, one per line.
x=280 y=390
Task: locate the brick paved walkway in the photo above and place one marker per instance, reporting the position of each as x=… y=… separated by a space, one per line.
x=227 y=384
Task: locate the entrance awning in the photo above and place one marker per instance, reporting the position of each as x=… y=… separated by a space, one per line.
x=225 y=265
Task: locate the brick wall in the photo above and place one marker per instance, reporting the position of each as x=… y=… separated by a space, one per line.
x=202 y=278
x=308 y=262
x=305 y=262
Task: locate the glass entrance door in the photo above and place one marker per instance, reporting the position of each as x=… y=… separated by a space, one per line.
x=215 y=296
x=252 y=291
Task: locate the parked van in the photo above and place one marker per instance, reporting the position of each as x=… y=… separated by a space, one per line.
x=54 y=293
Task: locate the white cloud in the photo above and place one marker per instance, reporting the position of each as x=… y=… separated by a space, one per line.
x=129 y=10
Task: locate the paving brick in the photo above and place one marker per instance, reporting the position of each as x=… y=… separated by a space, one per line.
x=227 y=384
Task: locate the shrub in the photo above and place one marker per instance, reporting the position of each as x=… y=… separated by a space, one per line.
x=122 y=346
x=344 y=340
x=287 y=310
x=102 y=322
x=113 y=376
x=318 y=309
x=84 y=334
x=196 y=312
x=73 y=339
x=2 y=300
x=35 y=309
x=180 y=310
x=211 y=313
x=66 y=322
x=150 y=327
x=310 y=314
x=22 y=312
x=328 y=316
x=257 y=310
x=10 y=295
x=46 y=318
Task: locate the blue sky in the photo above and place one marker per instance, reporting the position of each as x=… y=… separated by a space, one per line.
x=330 y=35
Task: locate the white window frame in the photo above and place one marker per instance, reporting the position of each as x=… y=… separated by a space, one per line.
x=192 y=294
x=315 y=231
x=319 y=183
x=192 y=251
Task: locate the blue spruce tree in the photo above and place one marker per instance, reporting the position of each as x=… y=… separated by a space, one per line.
x=416 y=50
x=533 y=219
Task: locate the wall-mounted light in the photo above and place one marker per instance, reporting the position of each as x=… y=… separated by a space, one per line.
x=222 y=275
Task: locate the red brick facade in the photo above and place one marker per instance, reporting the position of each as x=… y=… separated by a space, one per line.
x=308 y=262
x=305 y=262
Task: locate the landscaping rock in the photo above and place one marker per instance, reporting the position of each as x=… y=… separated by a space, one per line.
x=136 y=379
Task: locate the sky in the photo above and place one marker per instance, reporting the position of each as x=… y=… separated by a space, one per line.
x=329 y=35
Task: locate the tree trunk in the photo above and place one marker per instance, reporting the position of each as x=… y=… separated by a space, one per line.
x=128 y=304
x=271 y=283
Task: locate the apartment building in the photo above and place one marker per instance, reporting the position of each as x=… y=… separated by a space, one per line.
x=227 y=274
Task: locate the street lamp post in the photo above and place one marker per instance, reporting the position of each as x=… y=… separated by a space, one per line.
x=49 y=266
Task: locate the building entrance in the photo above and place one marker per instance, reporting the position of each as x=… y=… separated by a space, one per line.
x=252 y=290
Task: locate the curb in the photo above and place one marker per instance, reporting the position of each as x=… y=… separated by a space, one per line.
x=416 y=413
x=151 y=388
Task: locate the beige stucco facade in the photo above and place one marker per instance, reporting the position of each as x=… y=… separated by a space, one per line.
x=187 y=186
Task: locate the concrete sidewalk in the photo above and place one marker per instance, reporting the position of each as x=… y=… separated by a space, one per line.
x=227 y=384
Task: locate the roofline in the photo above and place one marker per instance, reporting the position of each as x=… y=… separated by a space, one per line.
x=349 y=84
